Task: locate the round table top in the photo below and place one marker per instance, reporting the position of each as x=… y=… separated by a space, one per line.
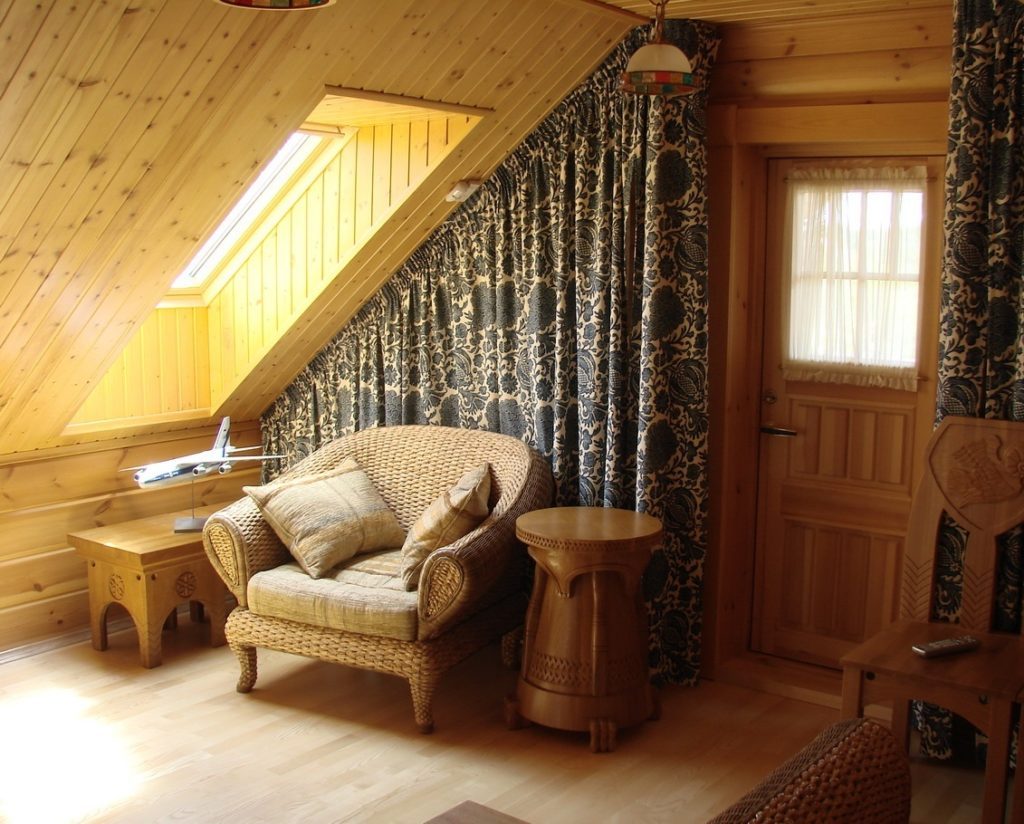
x=588 y=524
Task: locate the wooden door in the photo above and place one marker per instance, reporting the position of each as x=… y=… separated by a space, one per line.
x=837 y=466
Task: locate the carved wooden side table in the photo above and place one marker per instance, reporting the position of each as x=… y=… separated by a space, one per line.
x=149 y=569
x=584 y=664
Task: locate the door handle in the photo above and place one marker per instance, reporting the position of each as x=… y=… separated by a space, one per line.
x=778 y=431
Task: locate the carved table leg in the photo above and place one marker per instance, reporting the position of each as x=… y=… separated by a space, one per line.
x=150 y=628
x=602 y=735
x=513 y=720
x=98 y=625
x=195 y=612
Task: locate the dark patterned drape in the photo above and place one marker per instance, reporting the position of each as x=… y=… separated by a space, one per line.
x=566 y=304
x=981 y=351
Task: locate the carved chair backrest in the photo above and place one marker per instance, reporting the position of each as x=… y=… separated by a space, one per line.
x=974 y=471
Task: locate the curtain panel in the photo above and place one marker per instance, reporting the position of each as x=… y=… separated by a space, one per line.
x=566 y=304
x=981 y=352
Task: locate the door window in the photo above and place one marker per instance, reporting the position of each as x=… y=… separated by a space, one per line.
x=854 y=270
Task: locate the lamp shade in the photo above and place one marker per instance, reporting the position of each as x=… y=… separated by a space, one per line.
x=658 y=68
x=277 y=5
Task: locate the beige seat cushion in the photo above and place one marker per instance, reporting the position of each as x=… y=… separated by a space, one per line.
x=328 y=517
x=364 y=595
x=449 y=517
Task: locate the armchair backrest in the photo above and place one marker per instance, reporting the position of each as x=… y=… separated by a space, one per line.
x=412 y=465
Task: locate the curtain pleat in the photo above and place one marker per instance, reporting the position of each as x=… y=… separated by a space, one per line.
x=981 y=352
x=520 y=315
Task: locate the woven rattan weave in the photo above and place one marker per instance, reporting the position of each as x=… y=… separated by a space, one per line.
x=470 y=592
x=855 y=772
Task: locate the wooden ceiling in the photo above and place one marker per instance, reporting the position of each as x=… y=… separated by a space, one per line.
x=750 y=11
x=128 y=128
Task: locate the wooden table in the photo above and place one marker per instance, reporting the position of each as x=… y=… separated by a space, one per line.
x=585 y=646
x=149 y=569
x=981 y=685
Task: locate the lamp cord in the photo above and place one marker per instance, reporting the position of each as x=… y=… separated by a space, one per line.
x=659 y=20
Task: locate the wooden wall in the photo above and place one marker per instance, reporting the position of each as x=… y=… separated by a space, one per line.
x=48 y=493
x=184 y=361
x=163 y=374
x=871 y=85
x=291 y=259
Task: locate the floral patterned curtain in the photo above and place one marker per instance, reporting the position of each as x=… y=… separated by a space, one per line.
x=981 y=351
x=565 y=304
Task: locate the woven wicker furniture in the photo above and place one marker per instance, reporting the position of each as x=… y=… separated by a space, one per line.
x=470 y=592
x=855 y=772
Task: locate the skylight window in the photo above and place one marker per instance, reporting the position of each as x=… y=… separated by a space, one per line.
x=278 y=173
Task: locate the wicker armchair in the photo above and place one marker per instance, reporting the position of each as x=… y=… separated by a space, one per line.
x=855 y=772
x=470 y=592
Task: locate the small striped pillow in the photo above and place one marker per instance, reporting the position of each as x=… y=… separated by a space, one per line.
x=452 y=515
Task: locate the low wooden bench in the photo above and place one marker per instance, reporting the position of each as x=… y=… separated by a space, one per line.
x=149 y=569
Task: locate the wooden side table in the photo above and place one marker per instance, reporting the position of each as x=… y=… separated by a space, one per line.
x=981 y=685
x=149 y=569
x=584 y=664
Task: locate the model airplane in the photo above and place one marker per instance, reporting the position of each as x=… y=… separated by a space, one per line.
x=219 y=459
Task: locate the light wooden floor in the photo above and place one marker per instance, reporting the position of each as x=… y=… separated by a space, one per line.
x=88 y=736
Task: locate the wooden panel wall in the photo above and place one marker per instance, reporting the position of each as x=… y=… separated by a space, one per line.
x=870 y=84
x=163 y=374
x=902 y=55
x=52 y=492
x=294 y=255
x=169 y=370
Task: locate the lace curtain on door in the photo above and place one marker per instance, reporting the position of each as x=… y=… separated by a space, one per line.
x=854 y=269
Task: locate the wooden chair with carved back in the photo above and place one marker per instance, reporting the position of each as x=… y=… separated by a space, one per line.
x=974 y=472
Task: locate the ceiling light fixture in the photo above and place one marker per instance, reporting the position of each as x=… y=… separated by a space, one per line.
x=659 y=67
x=277 y=5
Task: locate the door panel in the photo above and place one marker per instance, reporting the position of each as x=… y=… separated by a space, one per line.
x=835 y=498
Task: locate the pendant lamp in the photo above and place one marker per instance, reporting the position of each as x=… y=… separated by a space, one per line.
x=277 y=5
x=659 y=67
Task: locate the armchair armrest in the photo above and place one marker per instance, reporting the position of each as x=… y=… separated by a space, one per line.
x=239 y=543
x=855 y=772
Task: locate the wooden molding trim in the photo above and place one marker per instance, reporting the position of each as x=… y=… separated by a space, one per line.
x=842 y=123
x=403 y=100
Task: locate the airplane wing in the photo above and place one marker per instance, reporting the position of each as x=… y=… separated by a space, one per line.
x=251 y=458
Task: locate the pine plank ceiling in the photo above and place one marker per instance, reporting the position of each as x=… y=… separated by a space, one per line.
x=128 y=127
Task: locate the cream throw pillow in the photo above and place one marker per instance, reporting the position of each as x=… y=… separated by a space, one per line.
x=327 y=518
x=455 y=513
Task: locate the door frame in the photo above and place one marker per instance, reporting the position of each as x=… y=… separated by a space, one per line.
x=775 y=302
x=737 y=211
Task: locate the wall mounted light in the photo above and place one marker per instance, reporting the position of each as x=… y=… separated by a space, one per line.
x=462 y=190
x=659 y=67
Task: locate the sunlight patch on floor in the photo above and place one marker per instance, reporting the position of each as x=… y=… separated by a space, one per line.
x=58 y=764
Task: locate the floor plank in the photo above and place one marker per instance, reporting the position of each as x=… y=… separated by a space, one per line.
x=91 y=736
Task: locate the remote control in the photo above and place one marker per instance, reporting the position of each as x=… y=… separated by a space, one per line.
x=947 y=646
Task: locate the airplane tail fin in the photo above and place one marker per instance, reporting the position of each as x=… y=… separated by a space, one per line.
x=223 y=436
